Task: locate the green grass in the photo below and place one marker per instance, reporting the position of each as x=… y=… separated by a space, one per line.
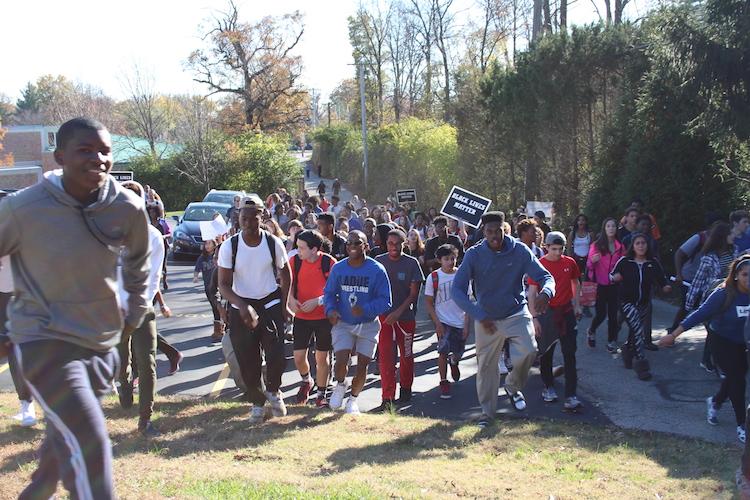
x=207 y=449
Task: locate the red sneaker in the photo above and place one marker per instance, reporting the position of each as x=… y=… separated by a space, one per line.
x=304 y=392
x=445 y=389
x=321 y=402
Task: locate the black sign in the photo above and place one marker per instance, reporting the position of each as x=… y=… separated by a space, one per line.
x=406 y=196
x=465 y=206
x=122 y=175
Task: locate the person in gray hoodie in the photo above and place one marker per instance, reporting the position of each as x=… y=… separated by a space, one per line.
x=497 y=267
x=64 y=237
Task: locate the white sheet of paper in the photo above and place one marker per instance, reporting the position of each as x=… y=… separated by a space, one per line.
x=213 y=228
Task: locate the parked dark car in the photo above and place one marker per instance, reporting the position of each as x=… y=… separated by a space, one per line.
x=187 y=234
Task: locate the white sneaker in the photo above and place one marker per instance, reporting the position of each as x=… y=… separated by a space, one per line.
x=549 y=395
x=278 y=408
x=337 y=398
x=352 y=407
x=741 y=434
x=27 y=416
x=256 y=414
x=712 y=414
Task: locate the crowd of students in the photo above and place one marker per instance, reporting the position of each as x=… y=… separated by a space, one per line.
x=347 y=277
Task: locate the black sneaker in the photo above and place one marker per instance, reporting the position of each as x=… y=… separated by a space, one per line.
x=147 y=429
x=125 y=394
x=650 y=346
x=404 y=396
x=455 y=372
x=387 y=406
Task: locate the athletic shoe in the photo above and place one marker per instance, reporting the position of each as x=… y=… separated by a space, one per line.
x=501 y=366
x=337 y=398
x=404 y=395
x=387 y=406
x=612 y=347
x=125 y=394
x=352 y=407
x=741 y=433
x=278 y=408
x=321 y=402
x=572 y=404
x=591 y=339
x=650 y=346
x=304 y=392
x=27 y=416
x=707 y=366
x=147 y=429
x=549 y=395
x=256 y=414
x=711 y=411
x=483 y=421
x=445 y=389
x=516 y=399
x=455 y=372
x=174 y=363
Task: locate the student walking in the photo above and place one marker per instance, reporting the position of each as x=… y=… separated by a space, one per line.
x=451 y=323
x=636 y=274
x=311 y=268
x=206 y=266
x=356 y=293
x=726 y=310
x=558 y=323
x=65 y=322
x=398 y=323
x=249 y=264
x=497 y=267
x=604 y=253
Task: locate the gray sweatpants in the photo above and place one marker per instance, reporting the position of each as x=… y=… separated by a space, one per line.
x=518 y=331
x=68 y=382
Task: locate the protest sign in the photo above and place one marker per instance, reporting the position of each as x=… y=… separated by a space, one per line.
x=465 y=206
x=210 y=229
x=406 y=196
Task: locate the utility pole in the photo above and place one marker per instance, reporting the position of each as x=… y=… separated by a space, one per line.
x=361 y=68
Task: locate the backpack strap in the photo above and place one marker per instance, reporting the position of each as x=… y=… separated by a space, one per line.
x=296 y=266
x=325 y=265
x=271 y=241
x=435 y=279
x=701 y=241
x=235 y=242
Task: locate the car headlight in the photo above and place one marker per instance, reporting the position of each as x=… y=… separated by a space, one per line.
x=180 y=235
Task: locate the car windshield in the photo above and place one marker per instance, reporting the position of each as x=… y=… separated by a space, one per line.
x=201 y=213
x=227 y=198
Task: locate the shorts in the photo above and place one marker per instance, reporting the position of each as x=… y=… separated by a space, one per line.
x=305 y=329
x=362 y=337
x=452 y=342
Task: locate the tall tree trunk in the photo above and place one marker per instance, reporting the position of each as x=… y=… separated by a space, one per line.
x=563 y=15
x=547 y=17
x=536 y=22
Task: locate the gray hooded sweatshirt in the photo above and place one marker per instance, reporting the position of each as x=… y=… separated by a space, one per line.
x=64 y=259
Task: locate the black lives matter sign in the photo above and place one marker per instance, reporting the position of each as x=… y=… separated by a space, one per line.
x=465 y=206
x=122 y=175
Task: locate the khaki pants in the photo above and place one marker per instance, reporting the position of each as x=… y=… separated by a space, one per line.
x=519 y=331
x=143 y=348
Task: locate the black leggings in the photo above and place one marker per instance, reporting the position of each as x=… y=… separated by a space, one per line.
x=214 y=306
x=731 y=359
x=606 y=307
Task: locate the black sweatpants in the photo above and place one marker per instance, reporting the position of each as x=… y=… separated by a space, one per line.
x=568 y=346
x=68 y=382
x=250 y=346
x=16 y=375
x=731 y=359
x=214 y=303
x=606 y=307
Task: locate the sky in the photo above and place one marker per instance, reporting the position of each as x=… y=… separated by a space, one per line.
x=97 y=42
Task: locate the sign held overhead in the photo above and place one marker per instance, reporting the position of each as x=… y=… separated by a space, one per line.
x=122 y=175
x=406 y=196
x=465 y=206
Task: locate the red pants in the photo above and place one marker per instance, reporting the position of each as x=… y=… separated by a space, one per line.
x=403 y=333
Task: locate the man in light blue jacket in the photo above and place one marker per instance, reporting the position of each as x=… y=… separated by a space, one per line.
x=497 y=267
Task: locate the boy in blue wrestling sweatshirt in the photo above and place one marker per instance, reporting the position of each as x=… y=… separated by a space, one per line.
x=357 y=291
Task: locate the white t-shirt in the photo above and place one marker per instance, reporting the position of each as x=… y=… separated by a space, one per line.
x=156 y=241
x=6 y=276
x=447 y=310
x=253 y=275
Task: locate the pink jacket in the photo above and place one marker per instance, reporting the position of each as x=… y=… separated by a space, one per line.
x=599 y=272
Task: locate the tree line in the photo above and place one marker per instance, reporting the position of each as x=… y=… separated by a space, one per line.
x=591 y=116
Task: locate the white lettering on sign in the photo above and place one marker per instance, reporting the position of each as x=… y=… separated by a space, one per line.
x=742 y=311
x=464 y=208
